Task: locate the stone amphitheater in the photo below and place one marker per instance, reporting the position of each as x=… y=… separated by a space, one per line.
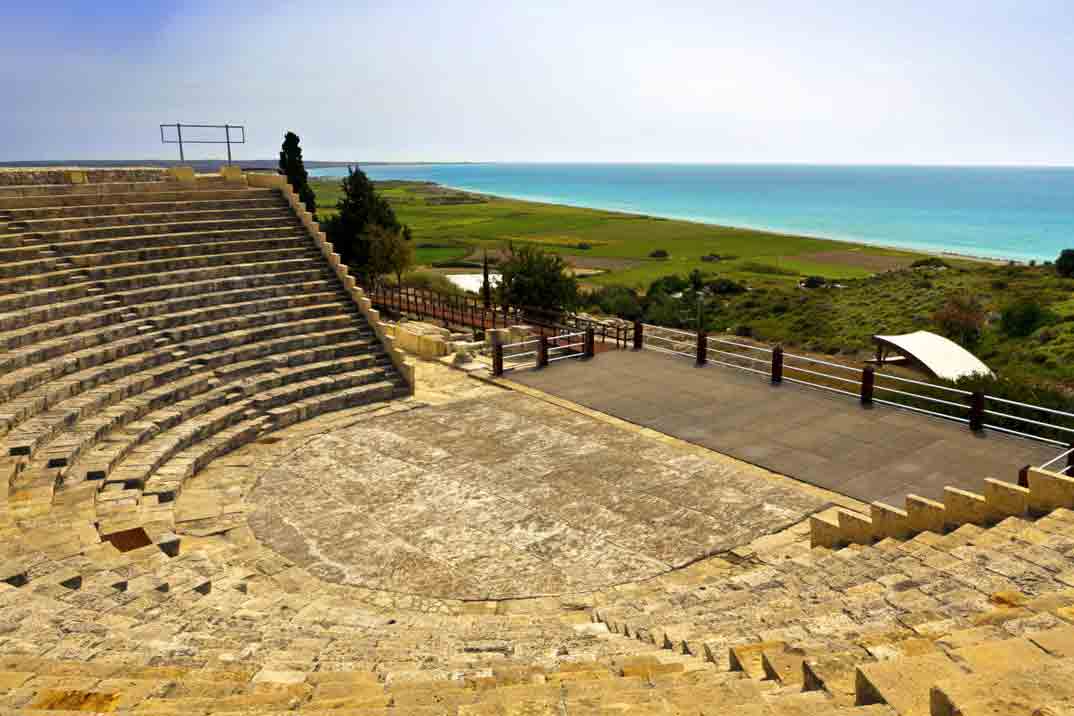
x=227 y=491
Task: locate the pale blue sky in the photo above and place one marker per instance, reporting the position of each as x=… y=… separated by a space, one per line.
x=716 y=81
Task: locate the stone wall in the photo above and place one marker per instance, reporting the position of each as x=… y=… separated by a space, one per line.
x=12 y=176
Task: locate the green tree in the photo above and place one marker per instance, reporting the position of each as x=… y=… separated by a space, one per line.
x=1022 y=317
x=359 y=208
x=533 y=278
x=1064 y=265
x=389 y=252
x=293 y=168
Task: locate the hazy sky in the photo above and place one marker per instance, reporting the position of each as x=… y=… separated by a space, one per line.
x=719 y=81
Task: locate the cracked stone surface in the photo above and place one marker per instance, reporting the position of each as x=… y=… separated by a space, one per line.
x=503 y=495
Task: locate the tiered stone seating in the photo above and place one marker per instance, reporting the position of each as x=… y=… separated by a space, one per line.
x=148 y=327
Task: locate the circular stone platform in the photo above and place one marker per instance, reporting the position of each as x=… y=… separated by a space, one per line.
x=509 y=496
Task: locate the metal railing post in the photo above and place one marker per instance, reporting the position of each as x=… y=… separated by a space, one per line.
x=227 y=140
x=542 y=351
x=777 y=364
x=1070 y=460
x=639 y=335
x=589 y=343
x=868 y=381
x=977 y=408
x=702 y=348
x=497 y=359
x=179 y=131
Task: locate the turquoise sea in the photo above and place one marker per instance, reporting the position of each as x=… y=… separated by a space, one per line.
x=994 y=212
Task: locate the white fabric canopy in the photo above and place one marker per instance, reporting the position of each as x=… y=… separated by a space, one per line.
x=943 y=358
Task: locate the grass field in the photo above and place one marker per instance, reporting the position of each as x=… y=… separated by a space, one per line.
x=618 y=243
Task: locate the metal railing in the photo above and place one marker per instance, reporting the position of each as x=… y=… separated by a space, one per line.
x=972 y=408
x=474 y=312
x=228 y=140
x=545 y=350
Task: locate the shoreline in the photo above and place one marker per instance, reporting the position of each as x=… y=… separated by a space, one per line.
x=940 y=253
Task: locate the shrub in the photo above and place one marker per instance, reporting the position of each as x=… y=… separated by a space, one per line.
x=431 y=281
x=961 y=319
x=617 y=301
x=755 y=267
x=658 y=254
x=1064 y=265
x=725 y=287
x=1022 y=317
x=583 y=246
x=668 y=284
x=814 y=282
x=930 y=262
x=534 y=278
x=744 y=330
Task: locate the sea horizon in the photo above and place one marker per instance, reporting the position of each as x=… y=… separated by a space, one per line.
x=1020 y=213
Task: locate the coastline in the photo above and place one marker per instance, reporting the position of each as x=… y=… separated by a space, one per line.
x=941 y=253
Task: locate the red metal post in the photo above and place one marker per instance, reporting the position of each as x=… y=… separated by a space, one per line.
x=639 y=335
x=702 y=348
x=589 y=343
x=777 y=364
x=542 y=351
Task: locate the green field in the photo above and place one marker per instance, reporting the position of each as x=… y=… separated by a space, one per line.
x=619 y=244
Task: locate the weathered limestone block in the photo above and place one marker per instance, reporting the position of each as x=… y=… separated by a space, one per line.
x=964 y=507
x=889 y=521
x=824 y=532
x=1005 y=499
x=1049 y=490
x=925 y=515
x=856 y=529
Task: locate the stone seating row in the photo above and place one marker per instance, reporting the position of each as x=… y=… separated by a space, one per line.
x=88 y=255
x=59 y=205
x=152 y=289
x=183 y=205
x=181 y=214
x=131 y=268
x=65 y=192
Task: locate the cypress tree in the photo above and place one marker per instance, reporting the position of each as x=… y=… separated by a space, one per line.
x=359 y=209
x=291 y=165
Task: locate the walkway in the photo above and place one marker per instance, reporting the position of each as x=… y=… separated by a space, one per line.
x=828 y=440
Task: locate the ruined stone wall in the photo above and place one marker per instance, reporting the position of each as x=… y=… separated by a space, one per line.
x=11 y=176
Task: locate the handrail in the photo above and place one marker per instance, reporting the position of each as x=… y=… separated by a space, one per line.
x=226 y=140
x=821 y=362
x=927 y=385
x=1058 y=457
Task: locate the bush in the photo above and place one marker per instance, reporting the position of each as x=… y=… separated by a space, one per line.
x=583 y=246
x=668 y=285
x=658 y=254
x=961 y=319
x=533 y=278
x=617 y=301
x=1022 y=317
x=431 y=281
x=744 y=330
x=814 y=282
x=755 y=267
x=930 y=262
x=725 y=287
x=1064 y=265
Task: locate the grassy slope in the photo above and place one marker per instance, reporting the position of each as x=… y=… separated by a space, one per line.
x=613 y=237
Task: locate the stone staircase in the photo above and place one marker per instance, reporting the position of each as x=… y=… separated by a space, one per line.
x=147 y=327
